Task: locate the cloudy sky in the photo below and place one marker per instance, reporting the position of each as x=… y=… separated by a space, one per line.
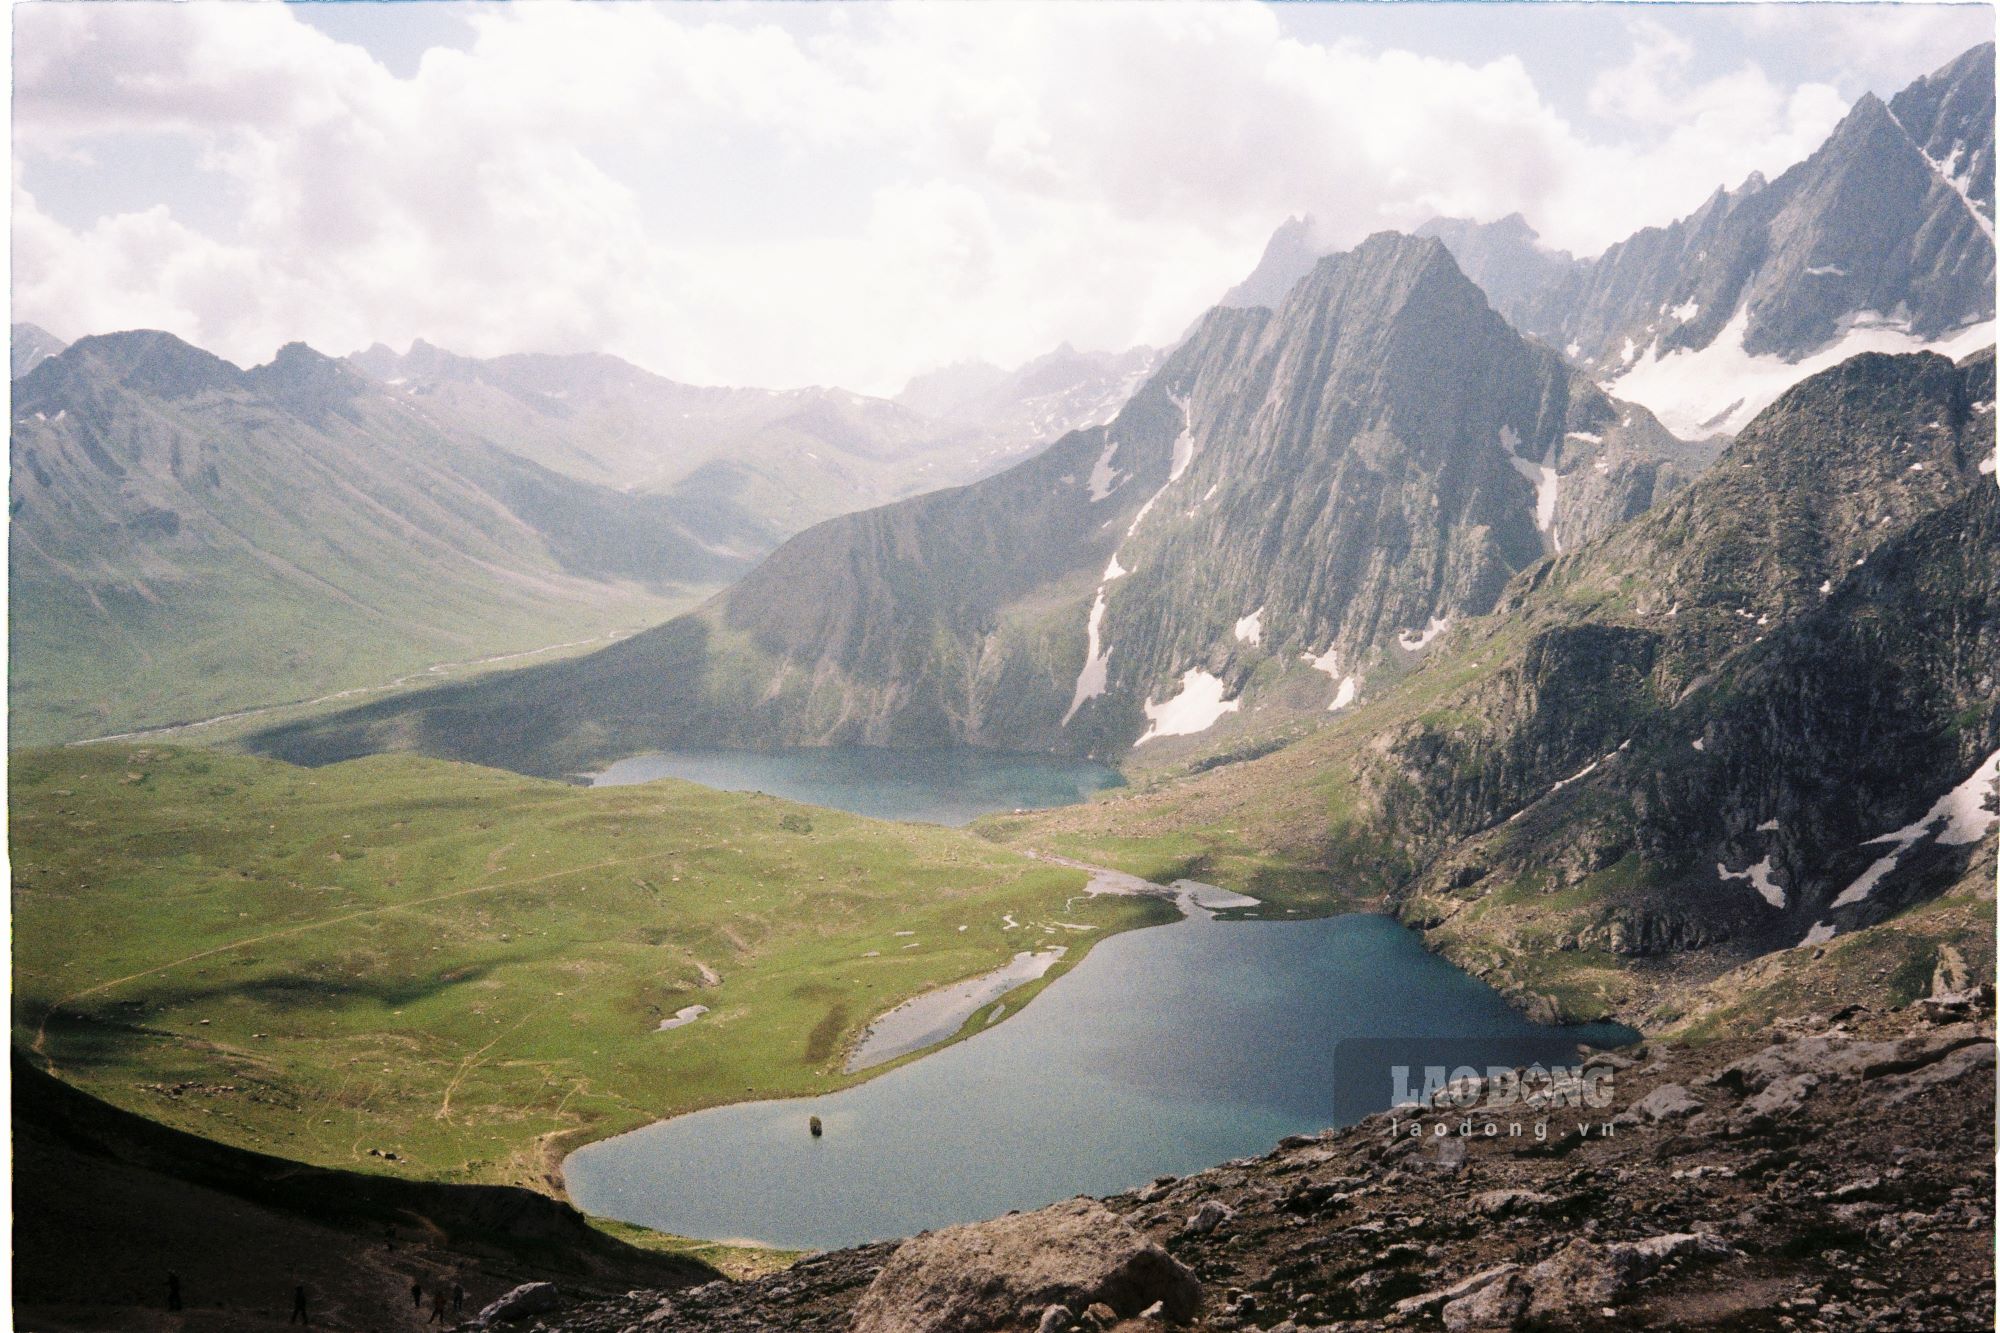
x=783 y=194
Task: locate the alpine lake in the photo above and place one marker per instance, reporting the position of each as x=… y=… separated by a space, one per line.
x=1165 y=1051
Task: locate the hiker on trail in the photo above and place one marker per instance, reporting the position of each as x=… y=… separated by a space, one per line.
x=437 y=1307
x=457 y=1297
x=299 y=1306
x=417 y=1296
x=173 y=1290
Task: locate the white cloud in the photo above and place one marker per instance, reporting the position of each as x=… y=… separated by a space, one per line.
x=903 y=186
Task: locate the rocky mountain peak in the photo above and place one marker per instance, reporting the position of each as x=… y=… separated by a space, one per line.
x=30 y=345
x=307 y=381
x=148 y=360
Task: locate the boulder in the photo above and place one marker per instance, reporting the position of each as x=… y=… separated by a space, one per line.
x=523 y=1302
x=1415 y=1306
x=1584 y=1275
x=1669 y=1101
x=1500 y=1203
x=1004 y=1274
x=1208 y=1217
x=1500 y=1304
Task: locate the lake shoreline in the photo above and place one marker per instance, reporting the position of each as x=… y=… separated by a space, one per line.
x=935 y=1131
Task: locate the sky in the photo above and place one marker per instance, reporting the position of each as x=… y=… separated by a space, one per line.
x=781 y=194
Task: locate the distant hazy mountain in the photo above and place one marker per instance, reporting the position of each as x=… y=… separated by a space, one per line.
x=1881 y=240
x=188 y=537
x=1043 y=400
x=1331 y=481
x=1288 y=256
x=1506 y=258
x=30 y=346
x=784 y=458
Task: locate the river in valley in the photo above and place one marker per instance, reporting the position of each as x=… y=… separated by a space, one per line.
x=1164 y=1051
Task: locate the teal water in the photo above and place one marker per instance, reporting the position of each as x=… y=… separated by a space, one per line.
x=1166 y=1050
x=927 y=786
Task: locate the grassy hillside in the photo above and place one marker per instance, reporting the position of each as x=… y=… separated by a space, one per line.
x=189 y=539
x=464 y=968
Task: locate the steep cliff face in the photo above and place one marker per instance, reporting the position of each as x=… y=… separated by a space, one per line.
x=1327 y=483
x=1718 y=708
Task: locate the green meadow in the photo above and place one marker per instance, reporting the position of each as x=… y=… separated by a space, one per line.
x=465 y=968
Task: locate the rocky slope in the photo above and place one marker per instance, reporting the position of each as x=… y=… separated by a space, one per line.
x=188 y=537
x=1761 y=714
x=1291 y=253
x=1834 y=1173
x=1294 y=498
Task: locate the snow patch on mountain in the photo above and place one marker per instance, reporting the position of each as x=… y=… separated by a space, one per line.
x=1717 y=389
x=1760 y=879
x=1184 y=442
x=1948 y=172
x=1348 y=685
x=1250 y=629
x=1096 y=663
x=1195 y=707
x=1415 y=641
x=1104 y=478
x=1966 y=818
x=1545 y=481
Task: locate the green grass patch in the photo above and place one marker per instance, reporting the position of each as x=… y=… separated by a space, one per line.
x=467 y=968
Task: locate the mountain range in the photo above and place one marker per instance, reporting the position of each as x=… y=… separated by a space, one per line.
x=782 y=459
x=189 y=537
x=1372 y=589
x=1882 y=240
x=1295 y=499
x=1759 y=716
x=1043 y=400
x=165 y=570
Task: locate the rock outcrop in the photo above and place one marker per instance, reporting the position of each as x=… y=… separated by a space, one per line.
x=1006 y=1274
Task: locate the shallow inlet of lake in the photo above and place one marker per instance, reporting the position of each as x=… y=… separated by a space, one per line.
x=1166 y=1050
